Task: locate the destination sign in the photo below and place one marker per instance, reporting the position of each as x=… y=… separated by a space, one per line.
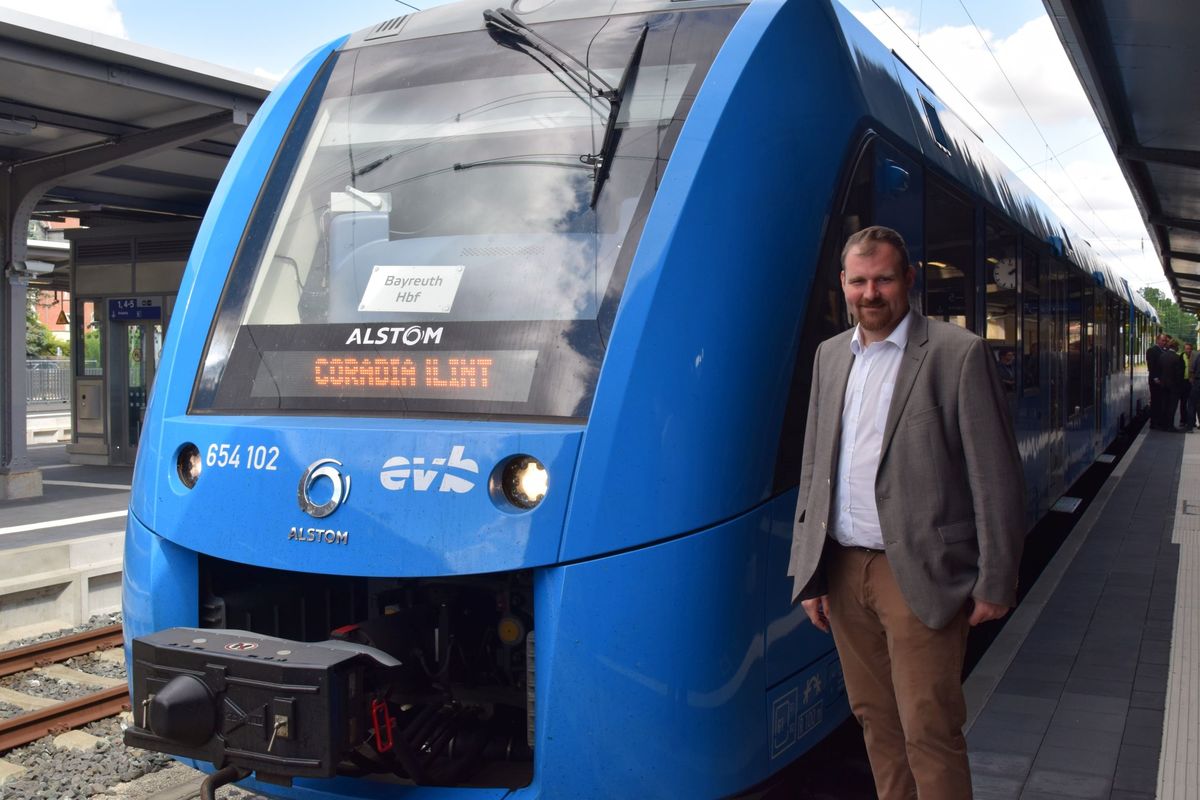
x=490 y=375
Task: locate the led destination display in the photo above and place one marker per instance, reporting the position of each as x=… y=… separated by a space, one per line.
x=492 y=375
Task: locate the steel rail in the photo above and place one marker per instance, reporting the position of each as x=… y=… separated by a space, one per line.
x=33 y=725
x=36 y=655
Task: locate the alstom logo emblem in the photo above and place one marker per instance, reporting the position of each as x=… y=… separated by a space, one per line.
x=397 y=473
x=327 y=468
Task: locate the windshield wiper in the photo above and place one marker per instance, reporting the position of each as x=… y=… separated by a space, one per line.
x=519 y=161
x=506 y=21
x=603 y=160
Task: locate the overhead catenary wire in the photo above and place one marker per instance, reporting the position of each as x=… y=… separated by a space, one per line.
x=1005 y=140
x=1062 y=152
x=1033 y=121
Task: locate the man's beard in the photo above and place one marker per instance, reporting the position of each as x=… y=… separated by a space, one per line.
x=876 y=324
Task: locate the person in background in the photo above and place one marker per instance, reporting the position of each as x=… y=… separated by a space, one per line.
x=1187 y=414
x=1171 y=365
x=1160 y=417
x=1007 y=367
x=1194 y=409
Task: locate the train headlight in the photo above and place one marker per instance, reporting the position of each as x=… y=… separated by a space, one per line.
x=189 y=464
x=524 y=482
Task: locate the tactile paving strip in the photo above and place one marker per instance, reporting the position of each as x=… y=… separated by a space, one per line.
x=1179 y=767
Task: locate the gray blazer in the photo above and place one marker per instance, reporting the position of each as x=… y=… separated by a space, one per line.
x=949 y=489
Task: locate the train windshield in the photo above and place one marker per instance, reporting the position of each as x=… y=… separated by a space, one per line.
x=448 y=224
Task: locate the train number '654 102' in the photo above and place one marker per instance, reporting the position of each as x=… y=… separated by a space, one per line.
x=235 y=456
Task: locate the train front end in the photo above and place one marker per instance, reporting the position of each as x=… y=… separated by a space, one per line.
x=383 y=541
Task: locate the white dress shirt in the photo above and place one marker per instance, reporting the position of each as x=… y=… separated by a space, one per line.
x=864 y=416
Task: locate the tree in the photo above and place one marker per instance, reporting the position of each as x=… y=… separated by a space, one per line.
x=91 y=351
x=1176 y=322
x=39 y=342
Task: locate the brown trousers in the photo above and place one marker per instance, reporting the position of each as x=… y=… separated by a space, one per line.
x=903 y=680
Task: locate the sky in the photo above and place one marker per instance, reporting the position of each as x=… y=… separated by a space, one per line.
x=998 y=65
x=1001 y=67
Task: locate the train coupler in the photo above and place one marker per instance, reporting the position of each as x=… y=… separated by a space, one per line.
x=280 y=708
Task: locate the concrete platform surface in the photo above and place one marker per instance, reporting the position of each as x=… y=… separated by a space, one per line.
x=1091 y=690
x=60 y=554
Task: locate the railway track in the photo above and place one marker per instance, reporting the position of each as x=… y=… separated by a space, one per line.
x=56 y=717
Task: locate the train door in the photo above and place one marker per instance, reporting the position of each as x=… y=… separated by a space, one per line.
x=1031 y=402
x=134 y=345
x=791 y=642
x=1054 y=323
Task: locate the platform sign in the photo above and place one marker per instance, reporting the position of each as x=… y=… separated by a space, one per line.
x=123 y=309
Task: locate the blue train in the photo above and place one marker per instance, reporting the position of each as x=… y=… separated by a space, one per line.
x=472 y=459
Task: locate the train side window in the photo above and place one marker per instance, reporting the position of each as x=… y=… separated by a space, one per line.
x=1051 y=340
x=1002 y=278
x=949 y=257
x=1075 y=342
x=1088 y=359
x=825 y=315
x=1122 y=362
x=1112 y=324
x=1090 y=326
x=1030 y=307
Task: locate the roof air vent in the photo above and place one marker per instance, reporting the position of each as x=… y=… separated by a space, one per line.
x=386 y=29
x=390 y=26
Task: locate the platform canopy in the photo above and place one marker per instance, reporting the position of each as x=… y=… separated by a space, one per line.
x=110 y=132
x=1139 y=63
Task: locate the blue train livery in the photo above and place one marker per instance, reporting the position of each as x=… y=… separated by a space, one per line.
x=471 y=463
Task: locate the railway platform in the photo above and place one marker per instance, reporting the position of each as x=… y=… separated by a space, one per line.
x=1091 y=688
x=1089 y=691
x=60 y=554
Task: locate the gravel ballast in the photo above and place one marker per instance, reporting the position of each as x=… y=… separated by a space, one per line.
x=7 y=711
x=31 y=683
x=57 y=774
x=112 y=770
x=98 y=621
x=93 y=665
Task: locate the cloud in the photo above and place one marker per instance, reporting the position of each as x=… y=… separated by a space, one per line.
x=1095 y=191
x=100 y=16
x=1032 y=59
x=1083 y=185
x=271 y=76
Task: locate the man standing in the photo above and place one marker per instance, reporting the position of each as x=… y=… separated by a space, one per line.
x=1170 y=371
x=1194 y=400
x=1187 y=417
x=910 y=517
x=1158 y=399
